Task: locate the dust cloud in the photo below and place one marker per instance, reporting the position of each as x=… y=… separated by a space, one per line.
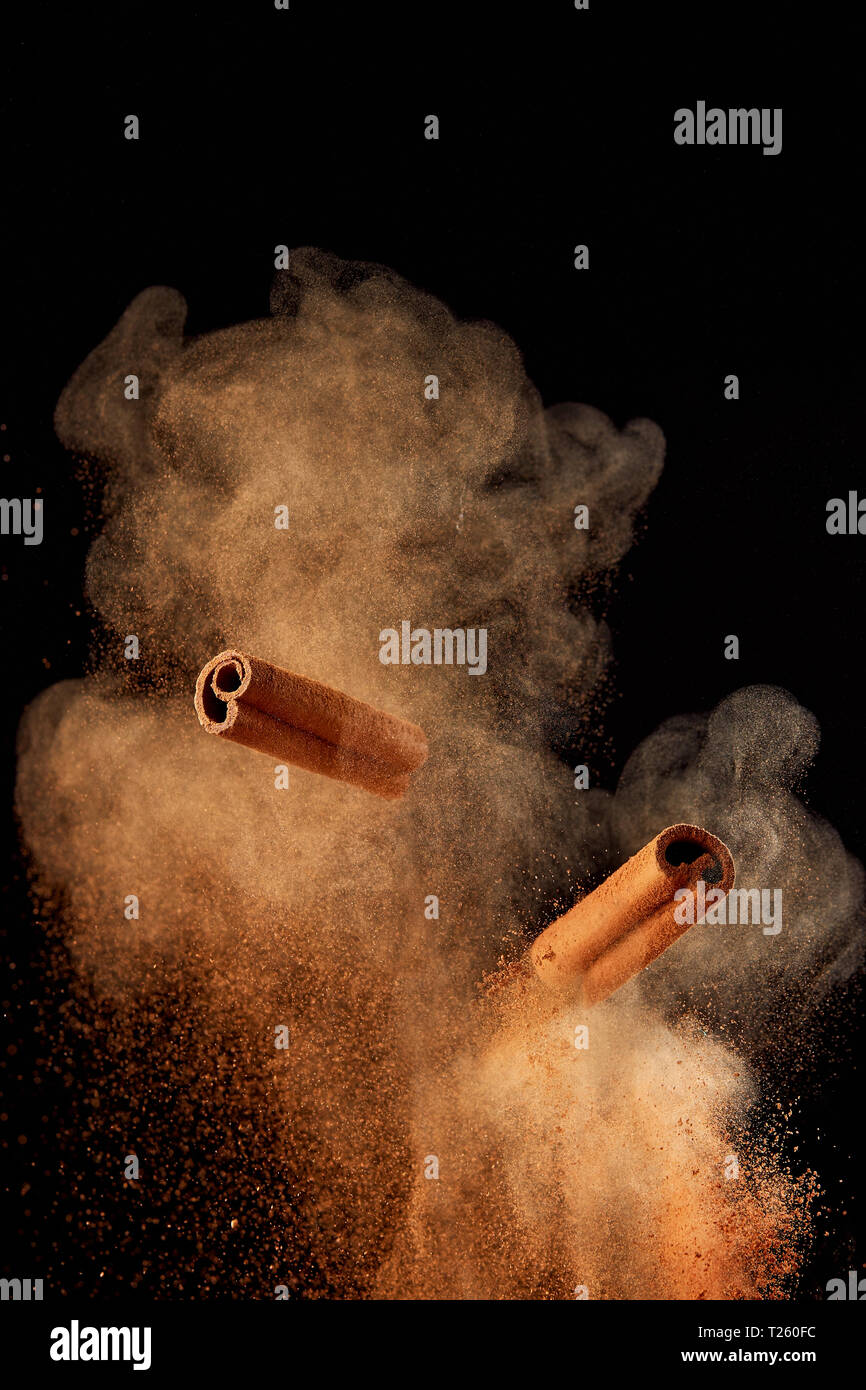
x=558 y=1168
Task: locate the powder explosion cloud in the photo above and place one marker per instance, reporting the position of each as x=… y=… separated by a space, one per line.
x=558 y=1168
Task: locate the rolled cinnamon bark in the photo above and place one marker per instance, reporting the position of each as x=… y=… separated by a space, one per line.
x=617 y=930
x=301 y=721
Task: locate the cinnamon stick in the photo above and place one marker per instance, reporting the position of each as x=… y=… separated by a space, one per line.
x=617 y=930
x=301 y=721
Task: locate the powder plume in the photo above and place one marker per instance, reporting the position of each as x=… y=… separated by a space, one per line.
x=308 y=907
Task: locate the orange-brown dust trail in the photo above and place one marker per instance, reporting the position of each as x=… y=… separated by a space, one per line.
x=275 y=986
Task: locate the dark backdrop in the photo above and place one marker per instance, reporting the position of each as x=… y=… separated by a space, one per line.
x=261 y=127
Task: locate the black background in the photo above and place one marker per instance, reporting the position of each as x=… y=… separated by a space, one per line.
x=305 y=127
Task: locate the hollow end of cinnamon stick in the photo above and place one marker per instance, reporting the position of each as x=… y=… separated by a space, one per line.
x=216 y=691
